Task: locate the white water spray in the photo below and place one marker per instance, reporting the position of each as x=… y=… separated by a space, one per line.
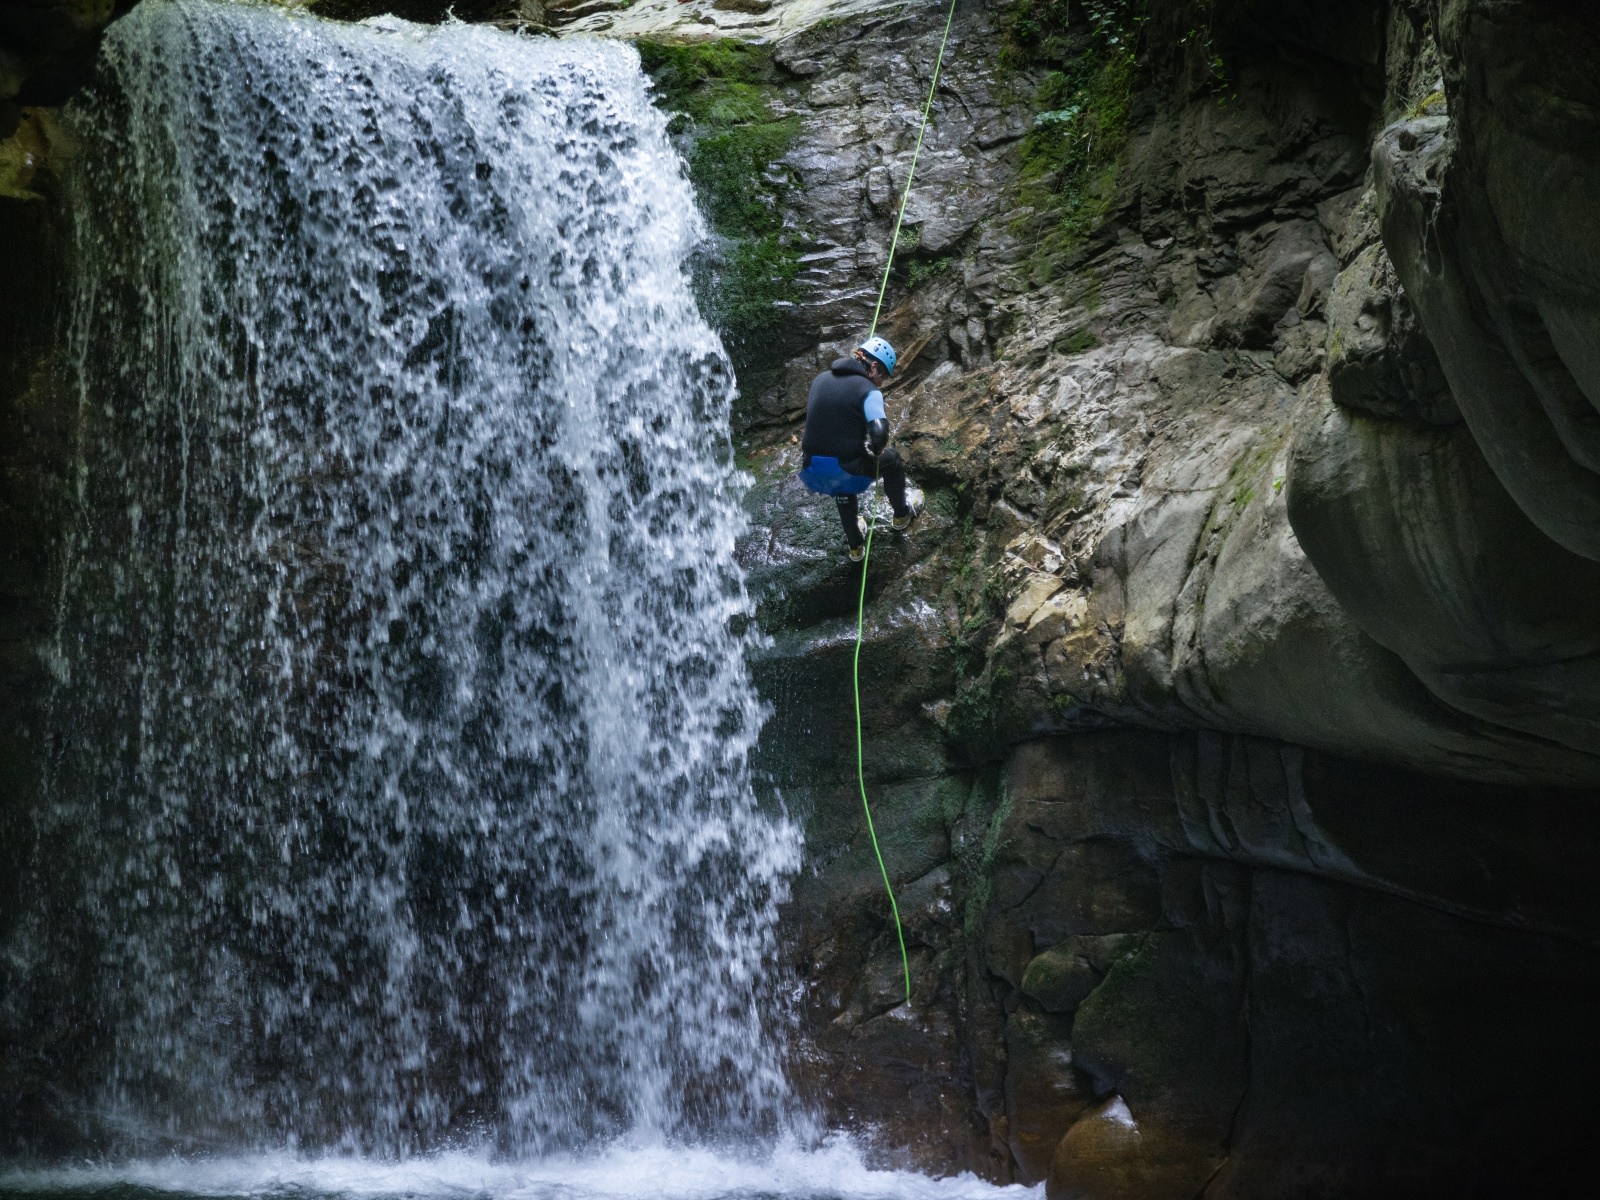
x=400 y=796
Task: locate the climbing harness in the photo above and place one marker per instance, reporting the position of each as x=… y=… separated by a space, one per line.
x=872 y=520
x=826 y=475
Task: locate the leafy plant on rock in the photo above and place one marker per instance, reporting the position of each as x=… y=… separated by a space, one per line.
x=733 y=143
x=1070 y=156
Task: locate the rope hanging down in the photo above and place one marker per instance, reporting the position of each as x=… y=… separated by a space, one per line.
x=872 y=520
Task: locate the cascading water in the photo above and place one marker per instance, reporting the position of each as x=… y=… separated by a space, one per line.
x=400 y=791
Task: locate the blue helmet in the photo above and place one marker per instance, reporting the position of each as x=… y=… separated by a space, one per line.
x=880 y=350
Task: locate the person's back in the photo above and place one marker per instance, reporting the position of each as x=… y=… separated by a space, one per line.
x=845 y=445
x=837 y=413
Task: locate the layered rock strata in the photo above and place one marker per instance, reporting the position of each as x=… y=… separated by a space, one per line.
x=1229 y=716
x=1220 y=474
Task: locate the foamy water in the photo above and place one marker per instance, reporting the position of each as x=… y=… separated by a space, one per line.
x=403 y=797
x=834 y=1172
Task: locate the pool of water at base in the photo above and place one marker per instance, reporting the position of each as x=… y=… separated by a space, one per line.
x=836 y=1171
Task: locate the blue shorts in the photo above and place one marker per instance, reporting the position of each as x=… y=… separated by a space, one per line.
x=827 y=476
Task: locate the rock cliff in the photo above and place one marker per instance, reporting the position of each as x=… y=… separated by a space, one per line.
x=1223 y=712
x=1230 y=716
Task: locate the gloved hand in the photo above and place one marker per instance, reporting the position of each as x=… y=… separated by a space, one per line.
x=877 y=436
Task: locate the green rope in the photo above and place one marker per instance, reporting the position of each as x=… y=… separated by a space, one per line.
x=894 y=240
x=872 y=521
x=861 y=758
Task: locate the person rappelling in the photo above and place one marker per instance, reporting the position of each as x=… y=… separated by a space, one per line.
x=845 y=448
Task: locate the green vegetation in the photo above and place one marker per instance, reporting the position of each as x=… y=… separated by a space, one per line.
x=1433 y=104
x=1076 y=342
x=1070 y=156
x=720 y=92
x=1245 y=473
x=1203 y=68
x=994 y=594
x=1061 y=703
x=985 y=712
x=716 y=83
x=1133 y=958
x=948 y=502
x=921 y=272
x=977 y=868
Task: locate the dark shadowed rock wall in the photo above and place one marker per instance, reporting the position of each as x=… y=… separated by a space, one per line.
x=1230 y=716
x=44 y=52
x=1251 y=956
x=1211 y=472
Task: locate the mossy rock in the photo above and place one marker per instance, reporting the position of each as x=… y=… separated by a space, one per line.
x=1067 y=173
x=1061 y=978
x=720 y=92
x=1165 y=1029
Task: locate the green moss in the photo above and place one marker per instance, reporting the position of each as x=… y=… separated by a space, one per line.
x=978 y=868
x=1119 y=998
x=1336 y=347
x=720 y=91
x=921 y=272
x=984 y=713
x=692 y=77
x=1076 y=342
x=1246 y=470
x=1133 y=958
x=1069 y=158
x=729 y=170
x=1426 y=106
x=1036 y=30
x=946 y=502
x=1061 y=703
x=994 y=592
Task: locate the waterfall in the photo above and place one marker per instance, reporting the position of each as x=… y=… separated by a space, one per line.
x=399 y=795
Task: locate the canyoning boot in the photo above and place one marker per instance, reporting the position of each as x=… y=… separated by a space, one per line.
x=857 y=553
x=913 y=510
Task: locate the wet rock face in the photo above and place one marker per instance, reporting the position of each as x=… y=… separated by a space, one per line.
x=1230 y=715
x=1219 y=470
x=1150 y=961
x=1447 y=547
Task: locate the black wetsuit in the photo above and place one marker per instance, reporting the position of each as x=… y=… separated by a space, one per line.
x=836 y=426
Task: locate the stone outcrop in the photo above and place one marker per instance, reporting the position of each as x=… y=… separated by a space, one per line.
x=1214 y=471
x=1459 y=535
x=47 y=48
x=1129 y=433
x=1230 y=716
x=45 y=51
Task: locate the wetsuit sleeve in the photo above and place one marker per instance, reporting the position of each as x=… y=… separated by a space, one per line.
x=872 y=406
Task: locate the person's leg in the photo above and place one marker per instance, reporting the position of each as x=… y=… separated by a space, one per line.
x=892 y=471
x=849 y=514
